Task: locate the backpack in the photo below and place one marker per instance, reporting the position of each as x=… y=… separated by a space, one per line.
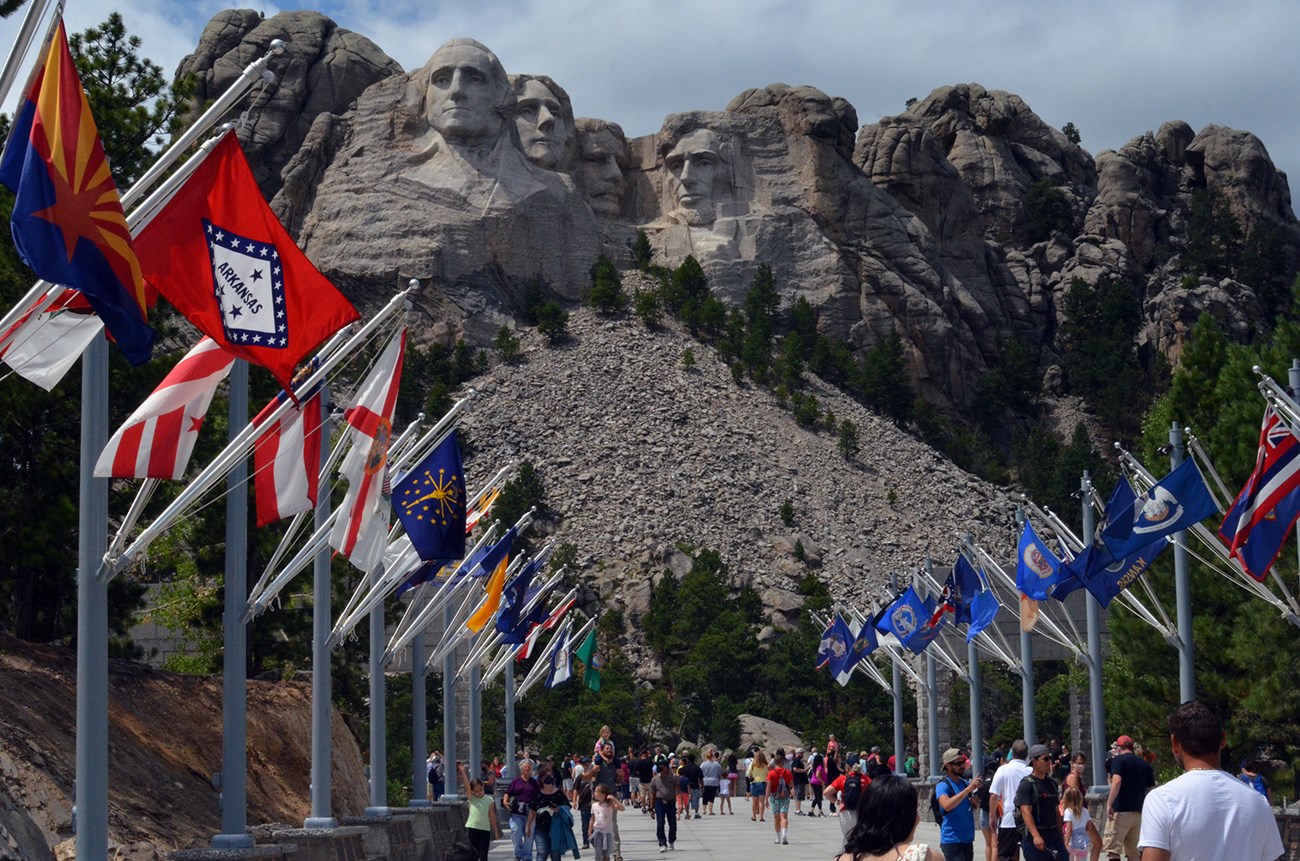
x=1018 y=815
x=936 y=809
x=1256 y=783
x=782 y=786
x=852 y=791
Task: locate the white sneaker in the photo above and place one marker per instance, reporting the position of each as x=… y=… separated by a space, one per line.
x=663 y=848
x=776 y=839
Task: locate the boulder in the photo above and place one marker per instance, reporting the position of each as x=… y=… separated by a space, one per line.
x=766 y=735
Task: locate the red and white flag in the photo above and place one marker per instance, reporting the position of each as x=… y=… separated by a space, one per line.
x=361 y=530
x=218 y=253
x=42 y=347
x=551 y=621
x=158 y=438
x=286 y=460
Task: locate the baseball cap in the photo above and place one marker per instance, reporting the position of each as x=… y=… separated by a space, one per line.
x=952 y=755
x=1124 y=741
x=1038 y=750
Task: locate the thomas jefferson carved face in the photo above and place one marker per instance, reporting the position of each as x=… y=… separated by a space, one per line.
x=466 y=90
x=539 y=118
x=602 y=153
x=692 y=166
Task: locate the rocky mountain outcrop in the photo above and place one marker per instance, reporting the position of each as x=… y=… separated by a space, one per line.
x=320 y=71
x=633 y=446
x=922 y=222
x=165 y=744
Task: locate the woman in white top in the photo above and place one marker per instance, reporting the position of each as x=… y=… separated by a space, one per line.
x=887 y=821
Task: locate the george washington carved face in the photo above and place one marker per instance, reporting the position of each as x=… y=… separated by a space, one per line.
x=466 y=93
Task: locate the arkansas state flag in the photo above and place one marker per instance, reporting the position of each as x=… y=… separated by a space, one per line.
x=67 y=221
x=286 y=459
x=361 y=530
x=217 y=252
x=158 y=438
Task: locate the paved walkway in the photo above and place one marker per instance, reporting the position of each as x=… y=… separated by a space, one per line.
x=727 y=838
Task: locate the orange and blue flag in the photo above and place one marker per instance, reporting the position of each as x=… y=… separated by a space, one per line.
x=68 y=224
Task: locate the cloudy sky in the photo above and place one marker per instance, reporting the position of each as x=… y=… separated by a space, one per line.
x=1114 y=69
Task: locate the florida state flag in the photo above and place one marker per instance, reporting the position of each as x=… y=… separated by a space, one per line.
x=218 y=253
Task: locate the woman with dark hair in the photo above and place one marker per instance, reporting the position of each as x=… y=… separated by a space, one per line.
x=887 y=820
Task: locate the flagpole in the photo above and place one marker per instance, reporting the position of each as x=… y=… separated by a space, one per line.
x=1293 y=378
x=1026 y=664
x=419 y=725
x=976 y=708
x=378 y=710
x=1182 y=587
x=449 y=704
x=234 y=662
x=321 y=683
x=475 y=721
x=932 y=697
x=898 y=715
x=512 y=770
x=90 y=816
x=22 y=42
x=1096 y=705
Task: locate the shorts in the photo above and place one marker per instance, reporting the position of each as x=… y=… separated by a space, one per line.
x=635 y=783
x=758 y=789
x=800 y=791
x=568 y=784
x=1008 y=844
x=710 y=793
x=780 y=805
x=724 y=788
x=1122 y=834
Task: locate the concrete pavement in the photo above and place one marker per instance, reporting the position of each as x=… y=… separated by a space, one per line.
x=728 y=838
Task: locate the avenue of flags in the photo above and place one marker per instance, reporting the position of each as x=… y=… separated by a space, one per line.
x=1135 y=527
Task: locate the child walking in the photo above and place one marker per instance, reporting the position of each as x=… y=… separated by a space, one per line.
x=601 y=835
x=683 y=792
x=1080 y=831
x=481 y=826
x=724 y=795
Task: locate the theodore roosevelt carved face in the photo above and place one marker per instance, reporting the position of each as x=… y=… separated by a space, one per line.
x=602 y=156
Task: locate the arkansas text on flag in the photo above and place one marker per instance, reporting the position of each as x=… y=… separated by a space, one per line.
x=67 y=221
x=217 y=252
x=158 y=438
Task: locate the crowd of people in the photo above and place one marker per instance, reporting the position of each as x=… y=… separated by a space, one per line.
x=1028 y=800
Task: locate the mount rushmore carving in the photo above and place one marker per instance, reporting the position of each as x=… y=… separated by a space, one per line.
x=484 y=185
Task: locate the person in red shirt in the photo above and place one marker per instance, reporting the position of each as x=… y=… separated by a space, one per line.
x=780 y=787
x=848 y=814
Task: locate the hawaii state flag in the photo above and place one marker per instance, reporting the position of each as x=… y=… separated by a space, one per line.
x=1261 y=517
x=361 y=530
x=158 y=438
x=67 y=221
x=218 y=253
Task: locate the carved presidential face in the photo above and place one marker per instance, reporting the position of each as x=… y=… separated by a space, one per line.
x=542 y=129
x=600 y=173
x=464 y=93
x=692 y=167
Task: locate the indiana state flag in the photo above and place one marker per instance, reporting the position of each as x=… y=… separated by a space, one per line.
x=430 y=502
x=67 y=222
x=1037 y=568
x=1178 y=501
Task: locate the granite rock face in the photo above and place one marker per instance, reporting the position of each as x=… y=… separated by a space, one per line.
x=915 y=222
x=321 y=70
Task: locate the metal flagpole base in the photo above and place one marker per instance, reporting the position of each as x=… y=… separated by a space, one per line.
x=420 y=802
x=377 y=811
x=233 y=841
x=449 y=799
x=321 y=822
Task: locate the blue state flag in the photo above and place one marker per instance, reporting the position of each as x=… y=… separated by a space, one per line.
x=836 y=645
x=1037 y=568
x=909 y=619
x=983 y=608
x=962 y=584
x=561 y=660
x=515 y=596
x=1178 y=501
x=1105 y=576
x=430 y=502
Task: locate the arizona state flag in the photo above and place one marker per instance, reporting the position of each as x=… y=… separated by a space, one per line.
x=218 y=253
x=67 y=222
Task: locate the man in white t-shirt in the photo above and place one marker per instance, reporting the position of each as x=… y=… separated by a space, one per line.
x=1206 y=813
x=1002 y=793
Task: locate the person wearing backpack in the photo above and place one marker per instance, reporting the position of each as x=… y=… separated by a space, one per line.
x=954 y=803
x=847 y=790
x=780 y=786
x=1038 y=810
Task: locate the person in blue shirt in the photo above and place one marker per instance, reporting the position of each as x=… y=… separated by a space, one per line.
x=959 y=802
